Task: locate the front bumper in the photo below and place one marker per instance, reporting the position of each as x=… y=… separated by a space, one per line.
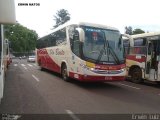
x=89 y=78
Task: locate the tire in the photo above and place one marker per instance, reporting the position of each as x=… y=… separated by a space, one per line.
x=41 y=68
x=64 y=73
x=158 y=82
x=136 y=75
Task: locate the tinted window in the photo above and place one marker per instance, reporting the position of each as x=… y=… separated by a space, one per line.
x=140 y=42
x=54 y=39
x=60 y=37
x=74 y=40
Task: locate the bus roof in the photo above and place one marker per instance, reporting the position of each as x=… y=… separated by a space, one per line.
x=146 y=35
x=85 y=24
x=82 y=23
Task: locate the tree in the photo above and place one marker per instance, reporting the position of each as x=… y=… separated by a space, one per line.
x=138 y=31
x=128 y=30
x=61 y=17
x=21 y=38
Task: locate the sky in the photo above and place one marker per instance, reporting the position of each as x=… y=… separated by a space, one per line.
x=141 y=14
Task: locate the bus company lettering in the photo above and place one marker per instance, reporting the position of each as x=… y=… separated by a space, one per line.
x=51 y=52
x=28 y=4
x=34 y=4
x=59 y=52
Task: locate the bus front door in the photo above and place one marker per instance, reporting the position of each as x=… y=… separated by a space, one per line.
x=158 y=60
x=152 y=64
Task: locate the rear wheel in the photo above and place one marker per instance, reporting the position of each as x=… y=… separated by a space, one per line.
x=41 y=68
x=136 y=75
x=158 y=82
x=64 y=73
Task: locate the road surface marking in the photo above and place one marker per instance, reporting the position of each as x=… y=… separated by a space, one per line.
x=74 y=117
x=23 y=65
x=35 y=78
x=25 y=68
x=30 y=65
x=129 y=86
x=15 y=64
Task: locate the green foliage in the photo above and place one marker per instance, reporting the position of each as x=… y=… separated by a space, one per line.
x=61 y=17
x=128 y=30
x=21 y=38
x=138 y=31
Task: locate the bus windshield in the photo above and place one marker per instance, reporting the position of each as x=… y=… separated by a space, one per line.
x=103 y=45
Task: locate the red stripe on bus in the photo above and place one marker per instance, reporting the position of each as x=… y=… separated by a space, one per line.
x=136 y=58
x=110 y=67
x=47 y=62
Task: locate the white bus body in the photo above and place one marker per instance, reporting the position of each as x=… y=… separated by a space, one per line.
x=143 y=60
x=83 y=51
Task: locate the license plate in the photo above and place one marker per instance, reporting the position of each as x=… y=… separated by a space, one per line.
x=108 y=78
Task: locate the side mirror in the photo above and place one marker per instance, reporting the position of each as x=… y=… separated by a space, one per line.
x=81 y=34
x=120 y=42
x=7 y=12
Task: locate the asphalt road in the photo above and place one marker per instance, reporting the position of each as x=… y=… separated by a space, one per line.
x=28 y=90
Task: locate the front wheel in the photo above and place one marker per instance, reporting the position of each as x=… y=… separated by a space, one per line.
x=64 y=73
x=136 y=75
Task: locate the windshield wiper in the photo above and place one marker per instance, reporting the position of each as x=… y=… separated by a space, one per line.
x=114 y=55
x=106 y=45
x=100 y=54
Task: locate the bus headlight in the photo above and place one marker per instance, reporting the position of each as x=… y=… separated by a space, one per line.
x=123 y=70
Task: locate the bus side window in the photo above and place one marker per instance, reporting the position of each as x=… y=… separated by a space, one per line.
x=158 y=48
x=74 y=41
x=53 y=39
x=61 y=37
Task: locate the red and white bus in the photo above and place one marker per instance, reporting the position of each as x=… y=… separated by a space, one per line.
x=83 y=51
x=143 y=59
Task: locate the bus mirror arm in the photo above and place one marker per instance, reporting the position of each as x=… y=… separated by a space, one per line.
x=81 y=34
x=131 y=41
